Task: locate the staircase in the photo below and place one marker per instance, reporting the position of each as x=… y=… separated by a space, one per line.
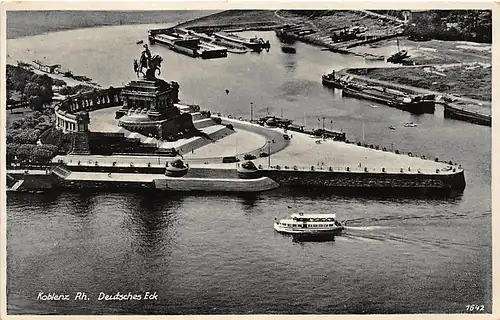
x=16 y=185
x=61 y=171
x=10 y=181
x=81 y=143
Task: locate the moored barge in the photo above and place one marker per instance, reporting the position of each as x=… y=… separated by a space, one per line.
x=416 y=104
x=189 y=45
x=469 y=113
x=256 y=44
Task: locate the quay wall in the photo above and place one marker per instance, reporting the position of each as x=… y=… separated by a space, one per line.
x=35 y=181
x=213 y=179
x=349 y=180
x=221 y=185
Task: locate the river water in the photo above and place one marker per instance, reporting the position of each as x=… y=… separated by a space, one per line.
x=218 y=254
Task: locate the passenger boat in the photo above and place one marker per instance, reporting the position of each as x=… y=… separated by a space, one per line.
x=176 y=168
x=312 y=226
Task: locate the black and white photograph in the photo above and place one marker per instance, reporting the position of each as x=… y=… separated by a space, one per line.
x=229 y=160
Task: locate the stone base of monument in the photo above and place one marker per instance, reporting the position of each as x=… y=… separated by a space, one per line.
x=163 y=129
x=148 y=109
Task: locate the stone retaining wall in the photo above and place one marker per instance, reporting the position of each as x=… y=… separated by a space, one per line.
x=455 y=181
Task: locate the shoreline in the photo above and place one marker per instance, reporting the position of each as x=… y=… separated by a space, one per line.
x=16 y=20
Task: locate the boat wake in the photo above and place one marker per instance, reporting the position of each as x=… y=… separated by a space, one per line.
x=364 y=234
x=367 y=228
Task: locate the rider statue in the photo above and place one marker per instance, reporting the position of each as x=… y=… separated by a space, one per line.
x=148 y=62
x=146 y=57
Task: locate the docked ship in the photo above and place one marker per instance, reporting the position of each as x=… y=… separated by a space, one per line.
x=469 y=113
x=305 y=226
x=398 y=56
x=188 y=45
x=331 y=80
x=256 y=44
x=416 y=104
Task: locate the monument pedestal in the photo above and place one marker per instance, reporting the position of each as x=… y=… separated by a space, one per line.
x=148 y=108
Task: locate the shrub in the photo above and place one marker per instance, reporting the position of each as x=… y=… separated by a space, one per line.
x=29 y=136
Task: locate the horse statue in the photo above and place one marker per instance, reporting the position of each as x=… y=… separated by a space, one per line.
x=150 y=64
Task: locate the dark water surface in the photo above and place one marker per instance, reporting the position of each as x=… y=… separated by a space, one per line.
x=209 y=254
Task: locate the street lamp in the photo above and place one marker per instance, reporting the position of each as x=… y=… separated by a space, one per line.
x=268 y=153
x=251 y=112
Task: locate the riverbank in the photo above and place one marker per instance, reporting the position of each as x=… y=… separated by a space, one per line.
x=30 y=23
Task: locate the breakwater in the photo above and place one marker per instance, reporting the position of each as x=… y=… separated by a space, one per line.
x=225 y=180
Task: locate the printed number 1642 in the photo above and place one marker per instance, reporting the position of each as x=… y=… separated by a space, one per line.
x=474 y=307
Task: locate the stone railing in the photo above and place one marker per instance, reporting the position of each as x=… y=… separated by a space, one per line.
x=72 y=113
x=446 y=169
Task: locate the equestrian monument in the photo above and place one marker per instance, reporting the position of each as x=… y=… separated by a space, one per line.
x=149 y=103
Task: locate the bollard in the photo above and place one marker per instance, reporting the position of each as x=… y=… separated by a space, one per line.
x=330 y=169
x=419 y=171
x=383 y=169
x=401 y=170
x=312 y=168
x=366 y=169
x=409 y=169
x=347 y=169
